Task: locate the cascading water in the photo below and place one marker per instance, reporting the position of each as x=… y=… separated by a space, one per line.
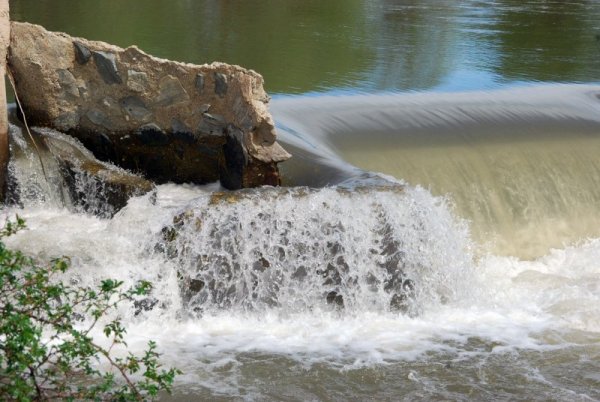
x=304 y=293
x=297 y=250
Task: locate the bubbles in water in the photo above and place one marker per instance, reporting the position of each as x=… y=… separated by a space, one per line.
x=303 y=249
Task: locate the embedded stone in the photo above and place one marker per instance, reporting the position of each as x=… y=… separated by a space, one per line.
x=204 y=108
x=68 y=83
x=98 y=117
x=212 y=124
x=137 y=81
x=170 y=92
x=135 y=108
x=151 y=134
x=66 y=120
x=221 y=84
x=200 y=82
x=82 y=53
x=177 y=126
x=106 y=65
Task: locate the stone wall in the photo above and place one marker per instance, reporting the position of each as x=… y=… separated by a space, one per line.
x=170 y=121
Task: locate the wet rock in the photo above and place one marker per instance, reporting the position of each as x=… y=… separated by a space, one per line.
x=221 y=85
x=401 y=298
x=125 y=88
x=151 y=134
x=145 y=304
x=106 y=65
x=335 y=299
x=96 y=187
x=82 y=53
x=185 y=137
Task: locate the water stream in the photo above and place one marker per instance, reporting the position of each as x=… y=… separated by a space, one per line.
x=462 y=159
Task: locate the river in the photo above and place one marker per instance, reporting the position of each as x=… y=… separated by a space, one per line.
x=487 y=111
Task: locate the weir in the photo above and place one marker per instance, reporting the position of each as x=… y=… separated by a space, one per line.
x=520 y=164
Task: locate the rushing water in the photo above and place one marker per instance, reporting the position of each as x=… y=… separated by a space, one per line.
x=488 y=112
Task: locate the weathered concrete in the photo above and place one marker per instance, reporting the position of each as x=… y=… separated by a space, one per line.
x=171 y=121
x=4 y=43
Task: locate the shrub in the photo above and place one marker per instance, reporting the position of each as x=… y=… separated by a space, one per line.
x=46 y=347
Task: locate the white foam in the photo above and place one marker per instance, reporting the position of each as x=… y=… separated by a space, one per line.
x=503 y=302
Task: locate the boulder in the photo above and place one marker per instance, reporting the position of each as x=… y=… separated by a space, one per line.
x=170 y=121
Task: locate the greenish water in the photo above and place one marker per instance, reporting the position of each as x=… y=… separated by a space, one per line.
x=494 y=104
x=350 y=45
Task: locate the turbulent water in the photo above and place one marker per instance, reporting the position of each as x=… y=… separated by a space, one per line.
x=448 y=247
x=478 y=324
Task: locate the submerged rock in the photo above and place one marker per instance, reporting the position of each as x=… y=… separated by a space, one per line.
x=106 y=96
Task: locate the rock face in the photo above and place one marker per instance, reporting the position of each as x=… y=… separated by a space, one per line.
x=170 y=121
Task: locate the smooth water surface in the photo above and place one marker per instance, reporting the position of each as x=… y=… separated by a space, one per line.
x=350 y=45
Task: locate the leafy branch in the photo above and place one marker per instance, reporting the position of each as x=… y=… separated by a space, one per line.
x=46 y=350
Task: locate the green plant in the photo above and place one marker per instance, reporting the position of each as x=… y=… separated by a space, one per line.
x=46 y=348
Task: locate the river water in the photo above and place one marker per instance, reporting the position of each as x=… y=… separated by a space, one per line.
x=487 y=111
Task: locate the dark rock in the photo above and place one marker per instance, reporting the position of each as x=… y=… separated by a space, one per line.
x=136 y=108
x=106 y=64
x=151 y=134
x=146 y=304
x=401 y=299
x=195 y=285
x=171 y=92
x=68 y=83
x=212 y=124
x=93 y=186
x=208 y=150
x=179 y=151
x=221 y=84
x=236 y=159
x=82 y=53
x=335 y=298
x=200 y=82
x=185 y=137
x=177 y=126
x=99 y=118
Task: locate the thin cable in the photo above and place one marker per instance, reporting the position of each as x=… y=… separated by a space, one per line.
x=37 y=150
